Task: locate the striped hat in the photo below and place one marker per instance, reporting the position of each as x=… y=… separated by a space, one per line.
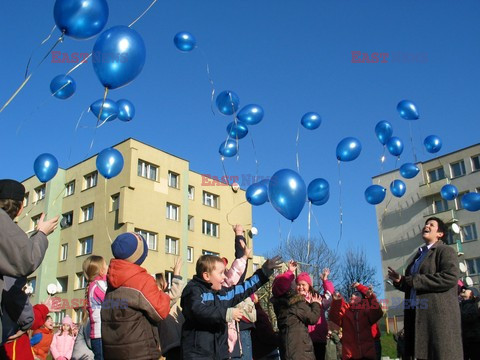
x=131 y=247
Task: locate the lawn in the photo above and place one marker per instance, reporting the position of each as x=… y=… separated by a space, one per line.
x=389 y=346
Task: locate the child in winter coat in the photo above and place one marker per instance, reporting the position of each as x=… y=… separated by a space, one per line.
x=95 y=271
x=62 y=343
x=318 y=332
x=42 y=348
x=294 y=314
x=470 y=312
x=133 y=303
x=265 y=340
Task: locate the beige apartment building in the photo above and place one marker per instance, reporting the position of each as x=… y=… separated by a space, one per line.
x=401 y=220
x=179 y=212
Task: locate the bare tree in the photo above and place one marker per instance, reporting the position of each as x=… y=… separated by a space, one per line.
x=355 y=268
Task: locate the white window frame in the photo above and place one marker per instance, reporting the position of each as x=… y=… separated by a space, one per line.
x=190 y=254
x=461 y=164
x=210 y=228
x=210 y=199
x=83 y=245
x=191 y=192
x=445 y=204
x=171 y=245
x=436 y=172
x=35 y=221
x=150 y=237
x=25 y=199
x=475 y=160
x=59 y=315
x=40 y=193
x=90 y=180
x=469 y=229
x=115 y=202
x=191 y=223
x=70 y=188
x=173 y=180
x=208 y=252
x=145 y=170
x=60 y=289
x=81 y=281
x=69 y=216
x=476 y=265
x=88 y=211
x=173 y=212
x=63 y=252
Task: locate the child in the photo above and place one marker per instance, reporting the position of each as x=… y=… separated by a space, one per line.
x=265 y=340
x=133 y=303
x=207 y=307
x=294 y=314
x=95 y=271
x=42 y=348
x=62 y=343
x=318 y=332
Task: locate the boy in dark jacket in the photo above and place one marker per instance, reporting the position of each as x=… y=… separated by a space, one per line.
x=207 y=307
x=470 y=312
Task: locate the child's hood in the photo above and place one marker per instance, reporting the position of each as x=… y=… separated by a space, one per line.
x=120 y=271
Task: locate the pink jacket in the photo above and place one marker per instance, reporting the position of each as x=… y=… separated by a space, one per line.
x=318 y=332
x=96 y=296
x=62 y=345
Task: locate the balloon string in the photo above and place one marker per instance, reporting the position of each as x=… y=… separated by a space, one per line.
x=210 y=79
x=38 y=46
x=318 y=225
x=79 y=64
x=298 y=160
x=381 y=223
x=340 y=204
x=107 y=204
x=308 y=229
x=75 y=132
x=98 y=121
x=411 y=140
x=396 y=161
x=224 y=170
x=146 y=10
x=289 y=232
x=228 y=214
x=255 y=157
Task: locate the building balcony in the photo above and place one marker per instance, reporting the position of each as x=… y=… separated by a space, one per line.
x=448 y=216
x=432 y=188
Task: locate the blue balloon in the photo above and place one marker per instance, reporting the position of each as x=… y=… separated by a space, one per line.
x=62 y=86
x=287 y=193
x=80 y=19
x=407 y=110
x=311 y=121
x=432 y=143
x=237 y=130
x=384 y=131
x=409 y=170
x=395 y=146
x=118 y=56
x=109 y=110
x=250 y=114
x=45 y=167
x=126 y=110
x=228 y=148
x=109 y=162
x=375 y=194
x=184 y=41
x=398 y=188
x=318 y=189
x=449 y=192
x=323 y=201
x=257 y=193
x=471 y=201
x=348 y=149
x=227 y=102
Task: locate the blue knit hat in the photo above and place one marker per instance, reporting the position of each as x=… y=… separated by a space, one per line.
x=131 y=247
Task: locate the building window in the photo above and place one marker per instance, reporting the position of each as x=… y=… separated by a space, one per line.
x=210 y=199
x=169 y=278
x=62 y=284
x=40 y=193
x=86 y=245
x=70 y=188
x=25 y=199
x=173 y=180
x=67 y=220
x=436 y=174
x=475 y=162
x=210 y=228
x=190 y=223
x=150 y=238
x=458 y=169
x=87 y=212
x=58 y=316
x=208 y=252
x=32 y=282
x=469 y=232
x=81 y=281
x=191 y=192
x=90 y=180
x=449 y=239
x=115 y=202
x=439 y=205
x=173 y=212
x=171 y=245
x=147 y=170
x=78 y=315
x=190 y=254
x=35 y=220
x=63 y=252
x=459 y=200
x=473 y=266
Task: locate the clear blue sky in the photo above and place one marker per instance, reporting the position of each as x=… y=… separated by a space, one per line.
x=291 y=57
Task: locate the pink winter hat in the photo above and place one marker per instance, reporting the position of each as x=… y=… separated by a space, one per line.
x=304 y=277
x=67 y=320
x=282 y=283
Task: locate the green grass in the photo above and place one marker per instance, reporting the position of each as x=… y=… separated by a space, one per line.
x=389 y=346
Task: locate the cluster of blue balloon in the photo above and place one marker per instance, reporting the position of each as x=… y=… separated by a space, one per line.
x=384 y=132
x=122 y=109
x=469 y=201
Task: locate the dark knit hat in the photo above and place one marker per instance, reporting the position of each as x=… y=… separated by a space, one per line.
x=131 y=247
x=11 y=189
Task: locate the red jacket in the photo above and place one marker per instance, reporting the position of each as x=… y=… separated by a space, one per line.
x=42 y=349
x=375 y=329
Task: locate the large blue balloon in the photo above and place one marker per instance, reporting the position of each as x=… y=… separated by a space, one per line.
x=250 y=114
x=318 y=189
x=407 y=110
x=287 y=193
x=471 y=201
x=384 y=131
x=227 y=102
x=395 y=146
x=449 y=192
x=118 y=56
x=237 y=130
x=126 y=110
x=375 y=194
x=45 y=167
x=109 y=162
x=184 y=41
x=311 y=121
x=409 y=170
x=348 y=149
x=398 y=188
x=80 y=19
x=62 y=86
x=109 y=111
x=257 y=193
x=228 y=148
x=432 y=143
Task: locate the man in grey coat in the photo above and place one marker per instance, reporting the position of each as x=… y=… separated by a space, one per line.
x=19 y=255
x=432 y=315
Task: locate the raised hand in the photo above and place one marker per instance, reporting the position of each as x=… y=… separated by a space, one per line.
x=47 y=227
x=393 y=275
x=273 y=263
x=238 y=229
x=325 y=273
x=336 y=295
x=177 y=266
x=292 y=266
